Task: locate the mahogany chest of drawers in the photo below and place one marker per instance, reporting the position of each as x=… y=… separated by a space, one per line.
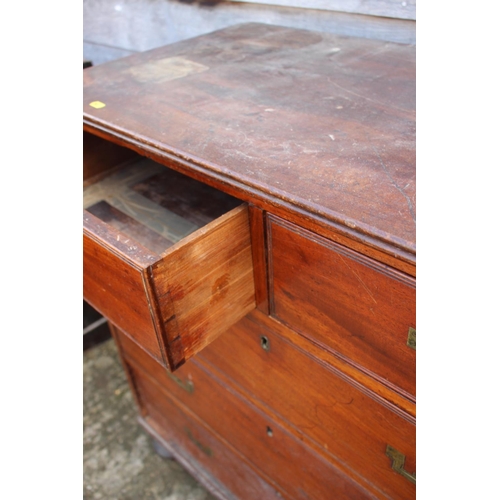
x=249 y=232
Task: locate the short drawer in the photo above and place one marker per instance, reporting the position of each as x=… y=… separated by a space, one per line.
x=280 y=456
x=357 y=429
x=361 y=310
x=166 y=258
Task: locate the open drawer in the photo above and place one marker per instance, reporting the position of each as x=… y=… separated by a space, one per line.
x=166 y=258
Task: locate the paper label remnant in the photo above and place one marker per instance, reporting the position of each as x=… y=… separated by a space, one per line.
x=97 y=104
x=165 y=70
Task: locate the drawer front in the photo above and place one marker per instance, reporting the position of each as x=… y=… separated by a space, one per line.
x=208 y=458
x=159 y=265
x=280 y=456
x=205 y=284
x=345 y=420
x=362 y=311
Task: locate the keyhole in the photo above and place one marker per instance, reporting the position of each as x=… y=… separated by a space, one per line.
x=264 y=342
x=269 y=431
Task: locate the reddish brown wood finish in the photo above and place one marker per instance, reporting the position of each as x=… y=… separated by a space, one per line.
x=207 y=454
x=117 y=337
x=321 y=403
x=100 y=156
x=319 y=132
x=174 y=447
x=259 y=257
x=115 y=286
x=174 y=304
x=191 y=200
x=351 y=304
x=123 y=223
x=205 y=284
x=264 y=442
x=314 y=124
x=378 y=390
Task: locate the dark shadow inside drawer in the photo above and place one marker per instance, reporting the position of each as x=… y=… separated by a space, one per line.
x=166 y=258
x=154 y=205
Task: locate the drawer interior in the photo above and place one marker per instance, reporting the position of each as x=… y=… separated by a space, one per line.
x=153 y=205
x=166 y=258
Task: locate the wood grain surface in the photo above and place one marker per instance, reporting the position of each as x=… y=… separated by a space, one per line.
x=172 y=296
x=295 y=305
x=346 y=302
x=205 y=284
x=115 y=287
x=278 y=455
x=209 y=457
x=100 y=156
x=347 y=423
x=314 y=123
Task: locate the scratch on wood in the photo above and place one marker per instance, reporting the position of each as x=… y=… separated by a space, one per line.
x=405 y=111
x=375 y=52
x=393 y=182
x=358 y=278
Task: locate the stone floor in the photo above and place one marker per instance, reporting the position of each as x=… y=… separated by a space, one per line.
x=119 y=462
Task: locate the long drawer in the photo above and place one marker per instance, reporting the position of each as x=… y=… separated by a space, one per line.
x=166 y=258
x=218 y=466
x=296 y=469
x=361 y=310
x=358 y=430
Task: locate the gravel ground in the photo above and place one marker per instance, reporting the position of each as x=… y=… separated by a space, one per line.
x=119 y=462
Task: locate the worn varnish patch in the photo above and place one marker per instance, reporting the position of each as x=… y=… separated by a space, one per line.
x=284 y=114
x=165 y=70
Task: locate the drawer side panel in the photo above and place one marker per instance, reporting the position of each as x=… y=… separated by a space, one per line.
x=116 y=289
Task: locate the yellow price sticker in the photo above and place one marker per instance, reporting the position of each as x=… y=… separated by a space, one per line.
x=97 y=104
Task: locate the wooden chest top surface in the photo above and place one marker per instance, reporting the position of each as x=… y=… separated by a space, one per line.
x=318 y=124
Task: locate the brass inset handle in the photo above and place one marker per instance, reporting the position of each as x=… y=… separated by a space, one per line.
x=398 y=463
x=186 y=385
x=412 y=338
x=205 y=449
